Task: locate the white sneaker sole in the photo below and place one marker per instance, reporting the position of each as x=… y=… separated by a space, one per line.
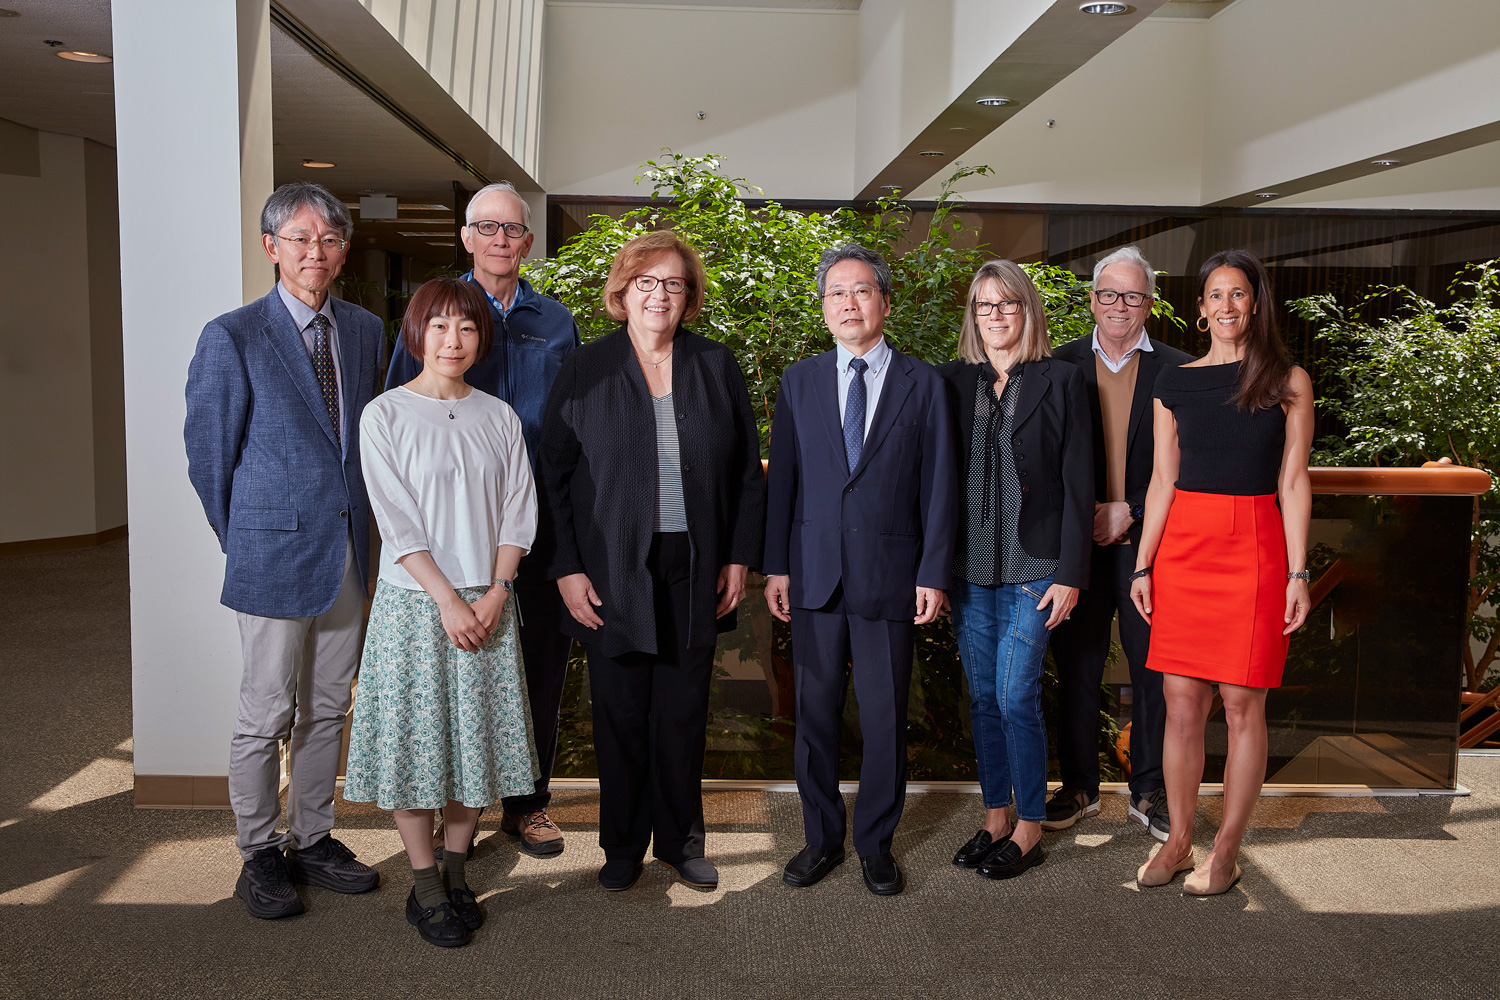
x=1092 y=809
x=1145 y=821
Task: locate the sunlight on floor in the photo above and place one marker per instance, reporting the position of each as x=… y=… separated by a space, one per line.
x=41 y=892
x=172 y=872
x=98 y=780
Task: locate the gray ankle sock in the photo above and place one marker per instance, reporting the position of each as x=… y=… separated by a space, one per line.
x=430 y=891
x=453 y=869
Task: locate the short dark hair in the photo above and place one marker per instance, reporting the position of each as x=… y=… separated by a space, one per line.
x=286 y=200
x=446 y=297
x=1262 y=380
x=853 y=251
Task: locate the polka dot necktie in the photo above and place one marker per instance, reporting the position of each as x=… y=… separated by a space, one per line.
x=328 y=381
x=854 y=413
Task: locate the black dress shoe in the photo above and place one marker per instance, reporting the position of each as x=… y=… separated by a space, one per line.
x=439 y=925
x=978 y=849
x=882 y=876
x=331 y=865
x=466 y=905
x=810 y=865
x=1008 y=861
x=619 y=874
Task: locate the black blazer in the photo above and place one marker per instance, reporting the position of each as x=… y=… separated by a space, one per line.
x=597 y=478
x=1140 y=441
x=883 y=528
x=1054 y=456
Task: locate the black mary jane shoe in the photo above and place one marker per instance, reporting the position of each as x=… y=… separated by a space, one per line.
x=438 y=925
x=978 y=850
x=466 y=905
x=1009 y=861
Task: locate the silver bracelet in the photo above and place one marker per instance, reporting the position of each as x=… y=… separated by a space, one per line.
x=1301 y=574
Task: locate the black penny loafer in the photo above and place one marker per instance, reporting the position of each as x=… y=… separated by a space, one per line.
x=466 y=905
x=810 y=865
x=882 y=875
x=618 y=874
x=439 y=925
x=978 y=850
x=1008 y=861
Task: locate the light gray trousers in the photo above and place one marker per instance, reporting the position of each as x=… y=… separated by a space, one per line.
x=295 y=682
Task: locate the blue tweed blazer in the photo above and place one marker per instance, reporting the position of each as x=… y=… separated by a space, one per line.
x=281 y=494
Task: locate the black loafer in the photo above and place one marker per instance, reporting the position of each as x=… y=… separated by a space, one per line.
x=439 y=925
x=466 y=905
x=882 y=875
x=810 y=865
x=978 y=850
x=696 y=873
x=1008 y=861
x=617 y=875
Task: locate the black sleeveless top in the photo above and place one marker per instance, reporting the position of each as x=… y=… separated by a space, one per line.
x=1224 y=449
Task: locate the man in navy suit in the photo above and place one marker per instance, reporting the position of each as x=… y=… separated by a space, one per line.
x=274 y=395
x=859 y=547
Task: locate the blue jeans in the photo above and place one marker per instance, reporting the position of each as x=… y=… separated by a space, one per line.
x=1002 y=638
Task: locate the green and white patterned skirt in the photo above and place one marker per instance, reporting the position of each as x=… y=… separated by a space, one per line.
x=432 y=722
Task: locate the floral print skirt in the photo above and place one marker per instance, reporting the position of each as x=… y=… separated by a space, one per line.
x=432 y=722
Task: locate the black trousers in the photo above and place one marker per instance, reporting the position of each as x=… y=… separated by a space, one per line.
x=1079 y=646
x=544 y=651
x=650 y=726
x=823 y=643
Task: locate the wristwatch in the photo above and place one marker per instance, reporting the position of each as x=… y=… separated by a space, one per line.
x=1138 y=511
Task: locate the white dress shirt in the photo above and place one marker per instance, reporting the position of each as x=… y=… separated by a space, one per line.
x=1144 y=344
x=457 y=488
x=879 y=360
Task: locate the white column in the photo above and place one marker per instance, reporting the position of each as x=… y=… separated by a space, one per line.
x=193 y=122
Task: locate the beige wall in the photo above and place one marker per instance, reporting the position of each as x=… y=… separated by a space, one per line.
x=61 y=388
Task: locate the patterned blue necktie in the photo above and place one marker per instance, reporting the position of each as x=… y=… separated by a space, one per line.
x=854 y=413
x=322 y=361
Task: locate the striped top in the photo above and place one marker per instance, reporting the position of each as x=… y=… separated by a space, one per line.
x=670 y=514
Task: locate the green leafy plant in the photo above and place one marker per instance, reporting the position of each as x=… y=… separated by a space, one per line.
x=1420 y=384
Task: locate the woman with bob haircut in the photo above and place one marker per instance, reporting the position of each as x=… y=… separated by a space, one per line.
x=1024 y=542
x=440 y=721
x=650 y=469
x=1222 y=561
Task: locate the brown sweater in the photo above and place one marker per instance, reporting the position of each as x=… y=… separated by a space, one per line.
x=1116 y=391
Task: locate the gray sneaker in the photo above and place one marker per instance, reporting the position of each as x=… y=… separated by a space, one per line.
x=1151 y=812
x=1069 y=805
x=265 y=886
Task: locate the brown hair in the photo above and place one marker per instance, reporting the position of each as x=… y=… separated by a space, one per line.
x=637 y=255
x=451 y=297
x=1014 y=284
x=1263 y=376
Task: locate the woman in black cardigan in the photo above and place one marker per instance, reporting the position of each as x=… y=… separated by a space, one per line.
x=650 y=469
x=1025 y=527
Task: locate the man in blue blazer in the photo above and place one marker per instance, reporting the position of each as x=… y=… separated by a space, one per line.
x=859 y=548
x=274 y=395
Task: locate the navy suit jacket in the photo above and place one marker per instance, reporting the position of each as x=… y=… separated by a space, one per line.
x=280 y=493
x=882 y=529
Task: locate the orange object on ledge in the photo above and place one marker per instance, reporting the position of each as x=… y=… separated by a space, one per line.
x=1432 y=479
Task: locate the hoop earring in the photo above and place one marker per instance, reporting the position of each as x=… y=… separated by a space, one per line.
x=1202 y=324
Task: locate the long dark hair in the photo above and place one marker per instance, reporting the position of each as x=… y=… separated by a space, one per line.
x=1263 y=375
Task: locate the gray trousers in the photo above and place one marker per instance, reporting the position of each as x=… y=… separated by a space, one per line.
x=295 y=684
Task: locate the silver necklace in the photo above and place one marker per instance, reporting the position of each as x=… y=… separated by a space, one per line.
x=654 y=364
x=444 y=403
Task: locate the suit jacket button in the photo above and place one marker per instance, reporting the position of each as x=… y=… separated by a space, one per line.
x=343 y=513
x=1025 y=489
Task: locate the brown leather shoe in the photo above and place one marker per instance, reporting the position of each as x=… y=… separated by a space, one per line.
x=539 y=836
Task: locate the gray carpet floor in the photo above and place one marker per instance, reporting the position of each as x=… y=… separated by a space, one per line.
x=1389 y=897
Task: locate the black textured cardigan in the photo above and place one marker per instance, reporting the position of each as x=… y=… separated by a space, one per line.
x=597 y=478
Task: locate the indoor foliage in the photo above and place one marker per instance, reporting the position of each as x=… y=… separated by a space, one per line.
x=1418 y=385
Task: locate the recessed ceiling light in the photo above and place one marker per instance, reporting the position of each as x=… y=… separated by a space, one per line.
x=318 y=163
x=1267 y=194
x=931 y=152
x=1105 y=8
x=959 y=128
x=890 y=187
x=88 y=57
x=994 y=102
x=1385 y=163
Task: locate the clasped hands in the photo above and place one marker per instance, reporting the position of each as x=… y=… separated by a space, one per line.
x=470 y=626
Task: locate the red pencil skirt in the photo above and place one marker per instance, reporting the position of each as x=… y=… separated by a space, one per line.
x=1218 y=590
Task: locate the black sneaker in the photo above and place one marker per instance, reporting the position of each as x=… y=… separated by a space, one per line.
x=265 y=886
x=1151 y=811
x=1068 y=806
x=331 y=865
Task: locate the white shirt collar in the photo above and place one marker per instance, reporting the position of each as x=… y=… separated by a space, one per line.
x=1144 y=344
x=876 y=357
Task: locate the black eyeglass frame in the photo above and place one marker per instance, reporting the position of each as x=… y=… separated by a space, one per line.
x=1114 y=296
x=514 y=230
x=983 y=308
x=651 y=281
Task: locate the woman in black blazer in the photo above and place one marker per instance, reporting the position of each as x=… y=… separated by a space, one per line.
x=650 y=469
x=1025 y=522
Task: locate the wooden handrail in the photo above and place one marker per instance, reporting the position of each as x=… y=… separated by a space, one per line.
x=1432 y=479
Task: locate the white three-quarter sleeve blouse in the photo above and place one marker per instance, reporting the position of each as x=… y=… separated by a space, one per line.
x=458 y=486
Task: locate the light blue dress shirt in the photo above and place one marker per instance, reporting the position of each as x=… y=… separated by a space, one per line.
x=1144 y=344
x=879 y=360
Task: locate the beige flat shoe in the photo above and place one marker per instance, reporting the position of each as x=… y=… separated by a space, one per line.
x=1149 y=878
x=1196 y=885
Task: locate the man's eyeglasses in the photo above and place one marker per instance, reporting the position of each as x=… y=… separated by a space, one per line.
x=1108 y=297
x=488 y=227
x=861 y=293
x=648 y=283
x=1006 y=307
x=331 y=244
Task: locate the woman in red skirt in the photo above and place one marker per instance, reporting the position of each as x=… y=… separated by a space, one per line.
x=1221 y=569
